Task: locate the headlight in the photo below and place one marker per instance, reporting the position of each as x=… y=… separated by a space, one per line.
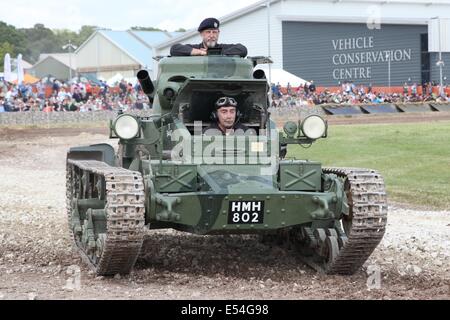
x=290 y=128
x=314 y=127
x=126 y=127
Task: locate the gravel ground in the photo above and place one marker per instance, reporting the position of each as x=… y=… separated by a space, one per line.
x=37 y=260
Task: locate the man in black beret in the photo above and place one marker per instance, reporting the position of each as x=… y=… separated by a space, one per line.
x=209 y=31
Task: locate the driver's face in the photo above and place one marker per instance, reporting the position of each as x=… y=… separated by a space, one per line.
x=210 y=37
x=226 y=116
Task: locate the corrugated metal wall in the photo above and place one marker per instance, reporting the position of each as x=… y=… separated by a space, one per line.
x=330 y=53
x=251 y=30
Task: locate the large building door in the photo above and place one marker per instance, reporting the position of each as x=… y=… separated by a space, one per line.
x=332 y=53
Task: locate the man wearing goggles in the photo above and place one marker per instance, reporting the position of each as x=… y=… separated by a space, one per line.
x=209 y=31
x=225 y=118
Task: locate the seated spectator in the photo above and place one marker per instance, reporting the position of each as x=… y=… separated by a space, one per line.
x=106 y=106
x=312 y=87
x=97 y=97
x=55 y=86
x=276 y=94
x=84 y=108
x=289 y=88
x=48 y=107
x=137 y=88
x=77 y=95
x=138 y=105
x=65 y=104
x=306 y=88
x=123 y=88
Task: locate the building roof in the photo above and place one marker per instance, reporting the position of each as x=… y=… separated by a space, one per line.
x=63 y=58
x=25 y=64
x=136 y=44
x=136 y=49
x=154 y=38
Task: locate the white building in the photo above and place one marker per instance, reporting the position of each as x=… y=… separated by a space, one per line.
x=107 y=53
x=393 y=41
x=57 y=65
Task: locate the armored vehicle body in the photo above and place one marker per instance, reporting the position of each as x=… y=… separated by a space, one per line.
x=168 y=174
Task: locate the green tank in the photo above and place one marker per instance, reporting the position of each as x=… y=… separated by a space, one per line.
x=167 y=174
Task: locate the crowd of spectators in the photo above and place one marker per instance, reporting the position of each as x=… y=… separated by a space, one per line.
x=55 y=96
x=350 y=93
x=87 y=96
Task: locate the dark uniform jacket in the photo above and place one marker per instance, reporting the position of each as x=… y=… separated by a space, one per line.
x=178 y=49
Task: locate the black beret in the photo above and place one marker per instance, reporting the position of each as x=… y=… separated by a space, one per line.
x=209 y=23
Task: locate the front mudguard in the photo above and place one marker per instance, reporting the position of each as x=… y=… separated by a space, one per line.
x=100 y=152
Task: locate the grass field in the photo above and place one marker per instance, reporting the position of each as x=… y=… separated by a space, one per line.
x=413 y=158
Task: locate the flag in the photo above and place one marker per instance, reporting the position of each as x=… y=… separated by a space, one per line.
x=7 y=68
x=20 y=73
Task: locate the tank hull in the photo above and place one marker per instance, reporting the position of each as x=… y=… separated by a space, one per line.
x=207 y=213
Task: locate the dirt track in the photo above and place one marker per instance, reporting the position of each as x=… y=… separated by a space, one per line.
x=36 y=252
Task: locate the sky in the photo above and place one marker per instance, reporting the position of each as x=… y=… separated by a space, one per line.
x=168 y=15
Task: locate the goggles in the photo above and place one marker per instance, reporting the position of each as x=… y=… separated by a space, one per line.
x=226 y=101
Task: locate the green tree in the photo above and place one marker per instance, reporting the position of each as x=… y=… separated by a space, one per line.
x=32 y=42
x=64 y=36
x=14 y=37
x=38 y=32
x=77 y=38
x=85 y=33
x=40 y=39
x=5 y=48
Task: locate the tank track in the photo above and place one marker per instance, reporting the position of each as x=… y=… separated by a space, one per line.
x=335 y=251
x=368 y=210
x=116 y=251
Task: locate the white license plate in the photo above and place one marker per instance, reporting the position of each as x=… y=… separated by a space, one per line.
x=246 y=212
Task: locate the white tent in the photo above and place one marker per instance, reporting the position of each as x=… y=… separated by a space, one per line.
x=119 y=77
x=12 y=76
x=7 y=68
x=114 y=80
x=282 y=76
x=132 y=80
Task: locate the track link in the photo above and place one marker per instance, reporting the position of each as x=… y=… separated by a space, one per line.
x=123 y=192
x=344 y=250
x=368 y=211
